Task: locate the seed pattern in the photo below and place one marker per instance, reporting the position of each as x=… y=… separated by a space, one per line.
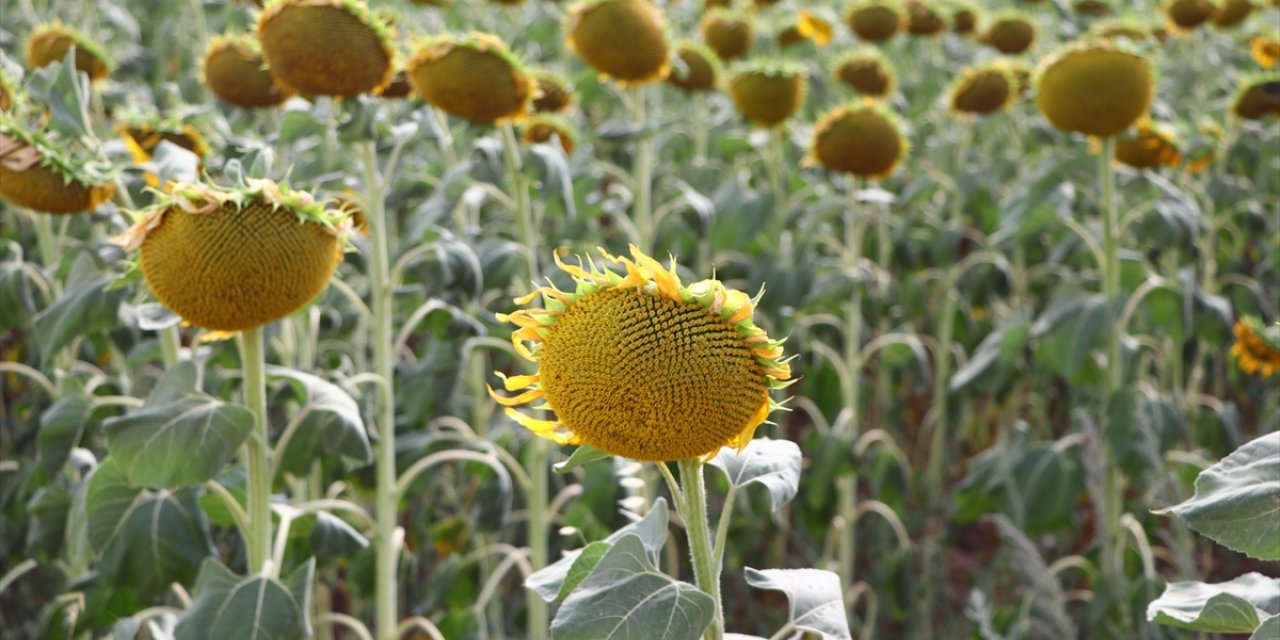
x=876 y=22
x=29 y=178
x=475 y=80
x=235 y=71
x=596 y=27
x=321 y=47
x=862 y=140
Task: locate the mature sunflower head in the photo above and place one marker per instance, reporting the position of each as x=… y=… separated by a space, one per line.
x=326 y=47
x=813 y=26
x=1231 y=13
x=1094 y=88
x=49 y=44
x=697 y=69
x=728 y=33
x=38 y=173
x=474 y=77
x=1092 y=7
x=1186 y=15
x=546 y=128
x=867 y=72
x=983 y=90
x=923 y=20
x=1258 y=97
x=863 y=139
x=1149 y=146
x=143 y=135
x=235 y=71
x=400 y=86
x=641 y=366
x=767 y=94
x=1010 y=33
x=1122 y=28
x=553 y=94
x=622 y=39
x=11 y=96
x=1265 y=49
x=230 y=259
x=964 y=19
x=876 y=20
x=1257 y=347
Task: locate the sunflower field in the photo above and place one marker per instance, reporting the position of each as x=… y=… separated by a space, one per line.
x=640 y=319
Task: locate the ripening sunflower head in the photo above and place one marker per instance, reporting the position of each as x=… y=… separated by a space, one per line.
x=876 y=20
x=923 y=21
x=728 y=33
x=1257 y=347
x=1122 y=28
x=40 y=174
x=867 y=72
x=1094 y=88
x=698 y=68
x=546 y=128
x=230 y=259
x=964 y=19
x=1092 y=7
x=1265 y=49
x=49 y=44
x=1149 y=146
x=142 y=136
x=326 y=47
x=622 y=39
x=862 y=139
x=553 y=94
x=12 y=99
x=641 y=366
x=473 y=77
x=235 y=71
x=1258 y=97
x=400 y=86
x=1231 y=13
x=768 y=93
x=1010 y=33
x=1185 y=15
x=984 y=90
x=813 y=26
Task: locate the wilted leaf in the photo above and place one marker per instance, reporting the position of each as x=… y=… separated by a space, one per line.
x=817 y=602
x=772 y=463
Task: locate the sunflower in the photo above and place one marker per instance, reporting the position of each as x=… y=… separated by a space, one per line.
x=474 y=77
x=876 y=20
x=1092 y=7
x=38 y=173
x=235 y=71
x=622 y=39
x=768 y=93
x=922 y=20
x=1010 y=33
x=326 y=47
x=11 y=96
x=49 y=44
x=1257 y=350
x=1185 y=15
x=1231 y=13
x=544 y=128
x=1258 y=97
x=1122 y=28
x=812 y=26
x=1266 y=50
x=399 y=87
x=1094 y=88
x=231 y=259
x=867 y=72
x=641 y=366
x=728 y=33
x=984 y=90
x=862 y=139
x=964 y=19
x=698 y=68
x=1148 y=147
x=552 y=95
x=143 y=136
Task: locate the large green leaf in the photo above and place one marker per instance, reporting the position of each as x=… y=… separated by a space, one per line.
x=61 y=427
x=1237 y=500
x=1237 y=606
x=772 y=463
x=549 y=582
x=1067 y=331
x=625 y=596
x=331 y=423
x=180 y=437
x=817 y=600
x=87 y=306
x=256 y=607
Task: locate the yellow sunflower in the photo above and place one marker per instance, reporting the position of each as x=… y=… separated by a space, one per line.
x=1256 y=352
x=641 y=366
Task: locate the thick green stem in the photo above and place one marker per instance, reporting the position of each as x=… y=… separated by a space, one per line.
x=847 y=486
x=699 y=128
x=170 y=345
x=386 y=499
x=520 y=194
x=694 y=515
x=772 y=154
x=642 y=172
x=1113 y=498
x=253 y=366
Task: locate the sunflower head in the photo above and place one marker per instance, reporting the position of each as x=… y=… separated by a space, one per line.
x=1258 y=97
x=399 y=88
x=1095 y=88
x=923 y=20
x=40 y=174
x=867 y=72
x=1092 y=7
x=546 y=128
x=1130 y=29
x=1231 y=13
x=622 y=39
x=49 y=44
x=473 y=77
x=326 y=47
x=728 y=33
x=12 y=99
x=698 y=68
x=983 y=90
x=1148 y=146
x=235 y=71
x=1185 y=15
x=768 y=93
x=876 y=20
x=862 y=139
x=813 y=26
x=1265 y=49
x=641 y=366
x=553 y=94
x=964 y=19
x=230 y=259
x=1010 y=33
x=143 y=135
x=1257 y=347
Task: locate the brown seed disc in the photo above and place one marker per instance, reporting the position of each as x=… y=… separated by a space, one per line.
x=875 y=23
x=1231 y=13
x=867 y=75
x=1010 y=35
x=42 y=189
x=767 y=99
x=1259 y=100
x=983 y=91
x=964 y=21
x=320 y=48
x=235 y=72
x=50 y=45
x=1096 y=90
x=553 y=97
x=860 y=140
x=728 y=35
x=923 y=21
x=1147 y=149
x=622 y=39
x=698 y=74
x=1189 y=14
x=471 y=81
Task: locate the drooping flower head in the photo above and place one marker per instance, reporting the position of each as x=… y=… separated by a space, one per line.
x=1149 y=146
x=767 y=93
x=552 y=93
x=547 y=128
x=698 y=68
x=984 y=89
x=641 y=366
x=235 y=71
x=49 y=43
x=876 y=20
x=1185 y=15
x=1011 y=33
x=473 y=77
x=863 y=139
x=867 y=72
x=1257 y=349
x=1265 y=49
x=1258 y=96
x=1231 y=13
x=41 y=174
x=1095 y=88
x=622 y=39
x=326 y=47
x=729 y=33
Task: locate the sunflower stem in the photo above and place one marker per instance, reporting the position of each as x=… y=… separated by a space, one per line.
x=386 y=498
x=642 y=170
x=170 y=345
x=694 y=515
x=700 y=128
x=773 y=154
x=847 y=485
x=253 y=366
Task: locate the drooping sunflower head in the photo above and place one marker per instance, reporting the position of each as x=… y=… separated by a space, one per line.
x=1185 y=15
x=964 y=19
x=1231 y=13
x=728 y=33
x=12 y=98
x=553 y=94
x=622 y=39
x=1257 y=347
x=876 y=20
x=547 y=128
x=767 y=93
x=867 y=72
x=923 y=20
x=984 y=90
x=326 y=47
x=1093 y=7
x=473 y=77
x=235 y=71
x=1258 y=97
x=641 y=366
x=1149 y=146
x=49 y=44
x=41 y=174
x=809 y=26
x=1125 y=28
x=1011 y=33
x=142 y=135
x=1094 y=88
x=863 y=139
x=697 y=69
x=230 y=259
x=1265 y=49
x=399 y=88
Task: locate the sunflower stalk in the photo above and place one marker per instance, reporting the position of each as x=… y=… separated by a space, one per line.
x=774 y=154
x=170 y=345
x=253 y=366
x=847 y=486
x=705 y=568
x=642 y=172
x=700 y=132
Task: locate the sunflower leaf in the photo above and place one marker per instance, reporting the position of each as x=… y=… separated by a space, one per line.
x=1237 y=606
x=331 y=422
x=256 y=607
x=584 y=454
x=817 y=603
x=772 y=463
x=651 y=529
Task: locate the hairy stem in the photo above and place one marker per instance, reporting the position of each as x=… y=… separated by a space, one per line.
x=253 y=365
x=694 y=515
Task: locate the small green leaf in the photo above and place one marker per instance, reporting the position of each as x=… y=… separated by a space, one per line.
x=256 y=607
x=61 y=427
x=548 y=582
x=582 y=566
x=1270 y=629
x=584 y=454
x=817 y=602
x=1237 y=606
x=772 y=463
x=332 y=423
